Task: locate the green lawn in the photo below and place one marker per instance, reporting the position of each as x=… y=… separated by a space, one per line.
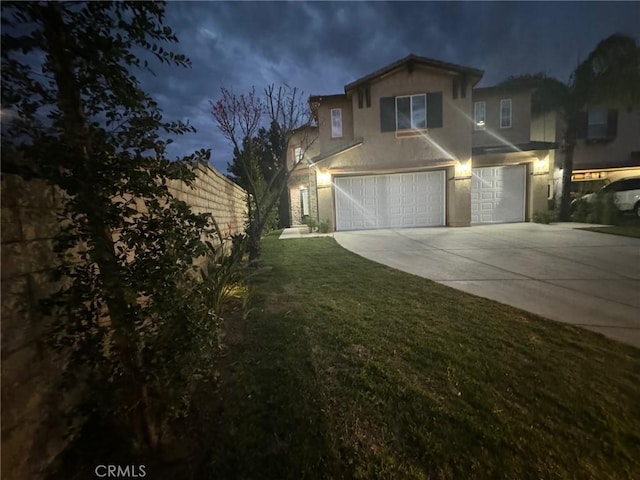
x=349 y=369
x=624 y=230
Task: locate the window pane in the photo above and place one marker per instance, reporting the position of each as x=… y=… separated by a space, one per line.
x=304 y=201
x=505 y=113
x=597 y=127
x=418 y=111
x=403 y=110
x=298 y=154
x=479 y=115
x=336 y=122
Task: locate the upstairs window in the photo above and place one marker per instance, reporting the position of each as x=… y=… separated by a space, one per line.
x=505 y=113
x=411 y=112
x=297 y=154
x=336 y=122
x=597 y=123
x=479 y=115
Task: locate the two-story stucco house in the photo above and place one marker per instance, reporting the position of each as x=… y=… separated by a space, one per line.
x=413 y=145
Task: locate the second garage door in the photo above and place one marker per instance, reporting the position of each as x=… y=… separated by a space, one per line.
x=398 y=200
x=497 y=194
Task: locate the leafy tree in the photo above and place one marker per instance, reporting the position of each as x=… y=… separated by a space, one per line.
x=610 y=74
x=128 y=306
x=260 y=160
x=265 y=147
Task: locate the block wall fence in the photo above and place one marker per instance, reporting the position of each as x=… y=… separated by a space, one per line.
x=33 y=424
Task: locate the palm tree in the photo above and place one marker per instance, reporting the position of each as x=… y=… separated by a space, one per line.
x=609 y=75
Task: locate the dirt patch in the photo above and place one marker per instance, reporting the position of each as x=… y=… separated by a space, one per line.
x=282 y=303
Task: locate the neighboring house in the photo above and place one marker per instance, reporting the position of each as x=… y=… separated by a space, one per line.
x=607 y=147
x=414 y=144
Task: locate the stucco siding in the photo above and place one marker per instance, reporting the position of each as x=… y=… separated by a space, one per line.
x=326 y=141
x=386 y=149
x=520 y=130
x=616 y=153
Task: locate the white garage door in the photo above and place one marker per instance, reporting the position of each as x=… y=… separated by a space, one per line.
x=390 y=201
x=497 y=194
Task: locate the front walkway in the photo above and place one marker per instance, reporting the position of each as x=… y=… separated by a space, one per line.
x=301 y=232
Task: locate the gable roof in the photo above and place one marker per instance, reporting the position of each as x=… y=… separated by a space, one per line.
x=497 y=89
x=417 y=60
x=320 y=98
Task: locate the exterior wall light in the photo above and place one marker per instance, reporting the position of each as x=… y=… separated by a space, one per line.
x=324 y=178
x=463 y=170
x=541 y=166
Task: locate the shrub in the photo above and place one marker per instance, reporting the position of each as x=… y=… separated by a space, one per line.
x=311 y=222
x=545 y=216
x=603 y=210
x=325 y=226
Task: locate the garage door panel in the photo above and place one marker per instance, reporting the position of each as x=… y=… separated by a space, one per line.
x=497 y=194
x=398 y=200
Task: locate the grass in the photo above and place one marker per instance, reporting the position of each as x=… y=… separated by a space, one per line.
x=624 y=230
x=350 y=369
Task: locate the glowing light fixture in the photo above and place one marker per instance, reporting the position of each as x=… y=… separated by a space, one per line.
x=463 y=170
x=541 y=165
x=324 y=178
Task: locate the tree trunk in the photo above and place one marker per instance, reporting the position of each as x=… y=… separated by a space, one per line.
x=567 y=167
x=255 y=242
x=102 y=252
x=565 y=199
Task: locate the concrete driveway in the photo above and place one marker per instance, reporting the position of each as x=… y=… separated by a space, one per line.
x=556 y=271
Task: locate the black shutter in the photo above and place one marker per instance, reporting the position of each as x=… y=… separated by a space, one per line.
x=612 y=123
x=367 y=95
x=360 y=98
x=434 y=110
x=388 y=114
x=582 y=120
x=455 y=87
x=463 y=87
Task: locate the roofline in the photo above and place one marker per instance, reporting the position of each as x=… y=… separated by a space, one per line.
x=420 y=60
x=499 y=88
x=345 y=148
x=320 y=98
x=519 y=148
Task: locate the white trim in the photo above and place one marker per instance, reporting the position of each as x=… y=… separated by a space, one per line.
x=510 y=112
x=336 y=132
x=475 y=115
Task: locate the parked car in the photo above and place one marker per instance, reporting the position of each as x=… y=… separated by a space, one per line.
x=626 y=195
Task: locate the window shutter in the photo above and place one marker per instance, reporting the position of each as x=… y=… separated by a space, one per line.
x=582 y=121
x=612 y=123
x=367 y=95
x=434 y=110
x=463 y=87
x=388 y=114
x=455 y=87
x=360 y=98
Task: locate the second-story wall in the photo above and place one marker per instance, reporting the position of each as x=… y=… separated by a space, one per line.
x=493 y=132
x=326 y=141
x=615 y=147
x=404 y=149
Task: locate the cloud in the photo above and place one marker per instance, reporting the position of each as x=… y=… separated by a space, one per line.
x=321 y=46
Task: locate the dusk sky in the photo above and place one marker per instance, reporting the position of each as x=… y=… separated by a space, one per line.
x=320 y=47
